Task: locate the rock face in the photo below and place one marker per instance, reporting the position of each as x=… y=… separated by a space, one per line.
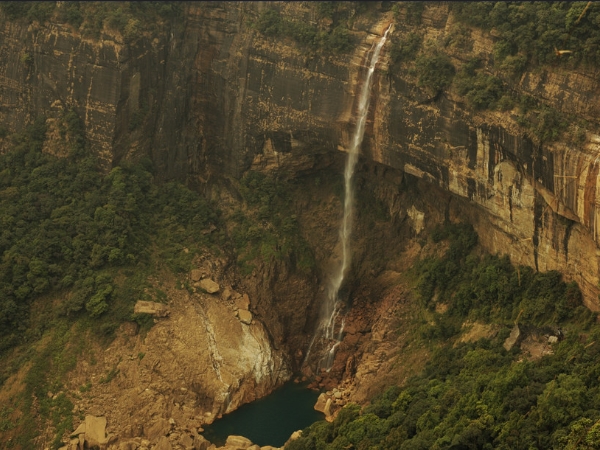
x=190 y=368
x=227 y=99
x=152 y=308
x=222 y=100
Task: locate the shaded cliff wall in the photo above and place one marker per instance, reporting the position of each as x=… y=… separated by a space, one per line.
x=215 y=99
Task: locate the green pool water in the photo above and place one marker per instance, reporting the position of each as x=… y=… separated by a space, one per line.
x=270 y=420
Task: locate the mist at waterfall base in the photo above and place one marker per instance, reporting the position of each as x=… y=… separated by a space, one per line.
x=331 y=324
x=270 y=420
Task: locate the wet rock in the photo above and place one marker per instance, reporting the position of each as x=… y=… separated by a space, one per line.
x=153 y=308
x=238 y=442
x=200 y=443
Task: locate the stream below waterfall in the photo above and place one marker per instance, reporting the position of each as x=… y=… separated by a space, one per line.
x=270 y=420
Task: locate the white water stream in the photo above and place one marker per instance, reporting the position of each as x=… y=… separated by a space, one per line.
x=330 y=328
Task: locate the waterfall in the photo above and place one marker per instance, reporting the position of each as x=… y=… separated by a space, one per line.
x=331 y=308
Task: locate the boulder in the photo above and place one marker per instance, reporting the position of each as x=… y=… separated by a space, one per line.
x=243 y=302
x=130 y=328
x=200 y=443
x=153 y=308
x=245 y=316
x=196 y=275
x=209 y=286
x=79 y=430
x=238 y=442
x=511 y=340
x=129 y=445
x=158 y=429
x=95 y=431
x=186 y=441
x=163 y=444
x=321 y=403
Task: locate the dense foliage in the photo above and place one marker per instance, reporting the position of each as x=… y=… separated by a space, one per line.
x=268 y=230
x=131 y=19
x=537 y=30
x=479 y=395
x=68 y=228
x=337 y=40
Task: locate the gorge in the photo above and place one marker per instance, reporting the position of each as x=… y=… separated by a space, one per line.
x=193 y=155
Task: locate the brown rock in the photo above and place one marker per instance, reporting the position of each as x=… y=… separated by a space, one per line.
x=159 y=428
x=130 y=328
x=245 y=316
x=163 y=444
x=511 y=340
x=153 y=308
x=238 y=442
x=186 y=441
x=200 y=443
x=196 y=275
x=321 y=403
x=210 y=286
x=244 y=302
x=79 y=430
x=95 y=431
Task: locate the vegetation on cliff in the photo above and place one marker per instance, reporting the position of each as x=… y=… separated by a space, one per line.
x=526 y=36
x=268 y=229
x=130 y=19
x=478 y=394
x=78 y=246
x=333 y=38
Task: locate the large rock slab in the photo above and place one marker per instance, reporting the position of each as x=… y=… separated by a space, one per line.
x=163 y=444
x=513 y=338
x=196 y=275
x=153 y=308
x=210 y=286
x=95 y=431
x=245 y=316
x=158 y=429
x=237 y=442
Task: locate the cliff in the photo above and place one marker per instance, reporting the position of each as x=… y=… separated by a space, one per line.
x=218 y=99
x=210 y=98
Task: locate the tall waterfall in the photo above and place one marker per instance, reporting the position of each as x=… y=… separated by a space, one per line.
x=330 y=328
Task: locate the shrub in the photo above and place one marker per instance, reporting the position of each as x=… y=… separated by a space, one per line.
x=435 y=72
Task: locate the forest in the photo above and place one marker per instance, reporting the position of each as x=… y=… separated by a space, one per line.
x=479 y=395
